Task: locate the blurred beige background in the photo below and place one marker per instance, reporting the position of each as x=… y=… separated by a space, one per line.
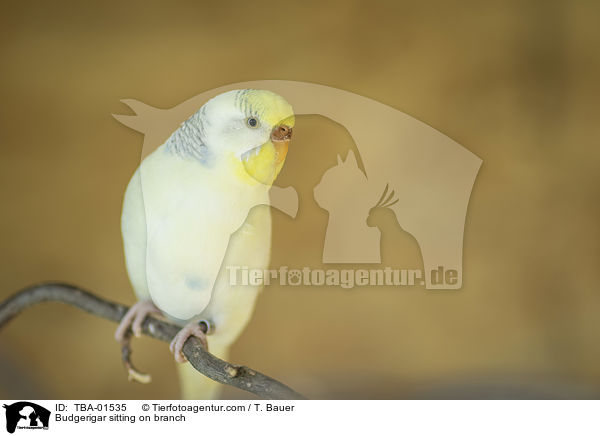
x=514 y=82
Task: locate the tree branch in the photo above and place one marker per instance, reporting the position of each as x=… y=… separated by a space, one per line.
x=240 y=377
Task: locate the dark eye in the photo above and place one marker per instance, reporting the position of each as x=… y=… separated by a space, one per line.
x=252 y=122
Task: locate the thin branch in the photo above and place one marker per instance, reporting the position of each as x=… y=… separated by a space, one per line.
x=240 y=377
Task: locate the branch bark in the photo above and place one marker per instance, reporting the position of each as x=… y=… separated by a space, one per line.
x=240 y=377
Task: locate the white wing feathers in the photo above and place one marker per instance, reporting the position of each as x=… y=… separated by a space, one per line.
x=177 y=222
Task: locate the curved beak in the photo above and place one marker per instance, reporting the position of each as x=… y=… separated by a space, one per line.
x=281 y=133
x=280 y=137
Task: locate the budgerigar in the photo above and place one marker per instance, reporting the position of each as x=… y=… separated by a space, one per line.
x=194 y=207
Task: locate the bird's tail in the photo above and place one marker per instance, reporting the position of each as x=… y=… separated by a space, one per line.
x=195 y=386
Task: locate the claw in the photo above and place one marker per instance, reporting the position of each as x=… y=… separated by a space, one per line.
x=190 y=329
x=134 y=318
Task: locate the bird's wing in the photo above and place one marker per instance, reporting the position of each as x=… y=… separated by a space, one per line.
x=189 y=218
x=133 y=228
x=183 y=256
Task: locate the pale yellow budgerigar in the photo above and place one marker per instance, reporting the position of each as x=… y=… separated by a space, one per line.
x=196 y=206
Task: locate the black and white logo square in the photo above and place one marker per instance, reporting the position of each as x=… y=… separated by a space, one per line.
x=26 y=415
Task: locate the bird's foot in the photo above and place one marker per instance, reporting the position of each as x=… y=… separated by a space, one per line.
x=134 y=319
x=197 y=329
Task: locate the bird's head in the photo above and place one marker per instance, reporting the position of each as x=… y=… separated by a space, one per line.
x=249 y=129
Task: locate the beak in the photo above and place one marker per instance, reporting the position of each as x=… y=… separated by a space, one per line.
x=280 y=137
x=281 y=133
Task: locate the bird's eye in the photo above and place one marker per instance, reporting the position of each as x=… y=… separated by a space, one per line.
x=252 y=122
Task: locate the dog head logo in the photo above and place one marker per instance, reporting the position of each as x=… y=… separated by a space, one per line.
x=26 y=415
x=423 y=177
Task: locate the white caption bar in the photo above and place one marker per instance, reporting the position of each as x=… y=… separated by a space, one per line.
x=22 y=417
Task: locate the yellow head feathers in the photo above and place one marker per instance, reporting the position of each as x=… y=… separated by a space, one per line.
x=263 y=163
x=247 y=128
x=269 y=107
